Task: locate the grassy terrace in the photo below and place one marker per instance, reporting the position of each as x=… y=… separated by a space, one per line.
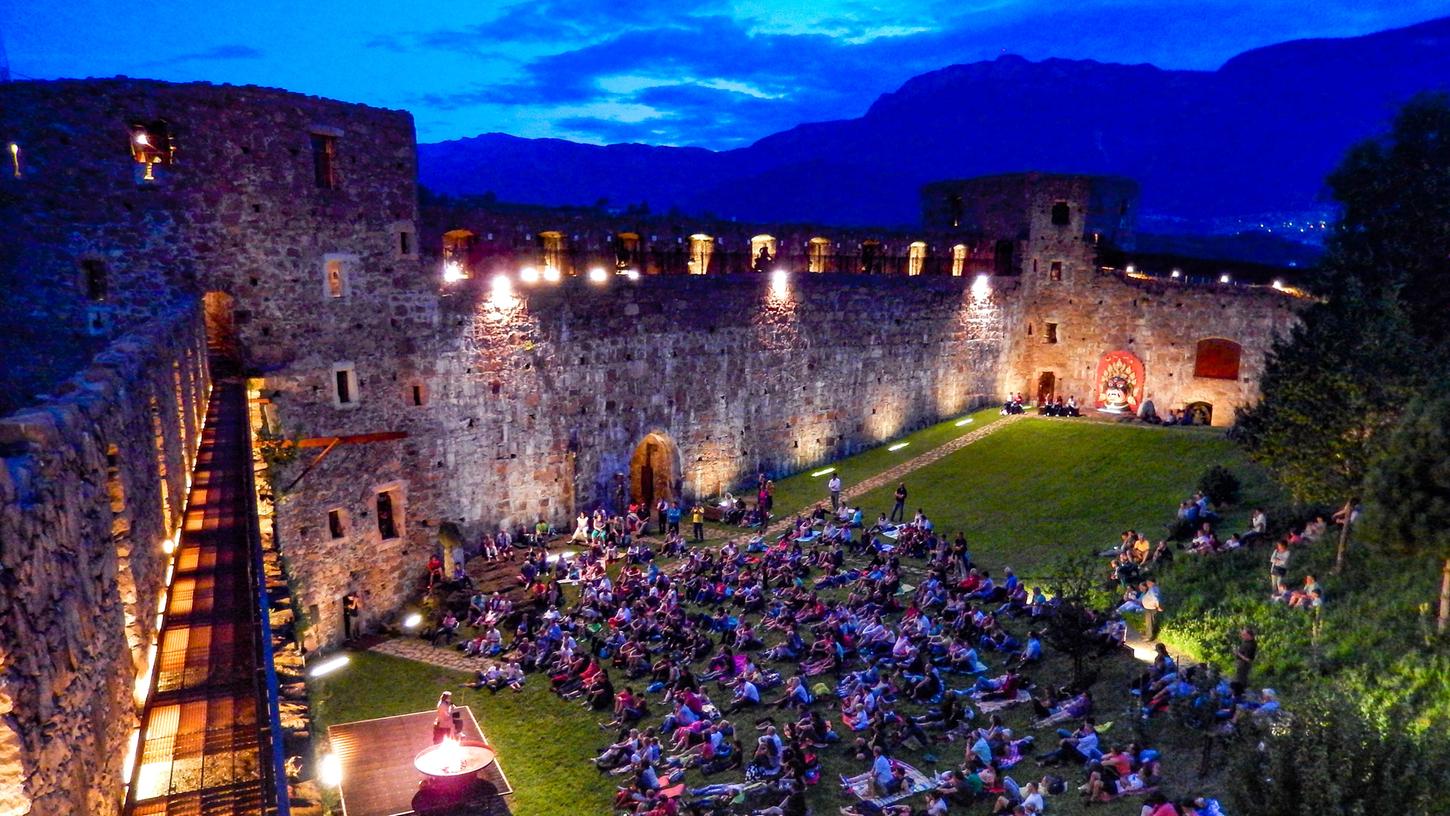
x=1023 y=495
x=801 y=490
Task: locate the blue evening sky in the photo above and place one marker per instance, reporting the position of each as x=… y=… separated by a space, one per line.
x=715 y=73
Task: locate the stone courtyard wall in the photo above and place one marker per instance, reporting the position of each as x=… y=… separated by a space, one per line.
x=534 y=401
x=94 y=480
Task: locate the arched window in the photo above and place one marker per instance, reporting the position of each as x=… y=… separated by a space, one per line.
x=916 y=258
x=762 y=253
x=1217 y=359
x=1061 y=214
x=551 y=243
x=820 y=255
x=959 y=260
x=701 y=246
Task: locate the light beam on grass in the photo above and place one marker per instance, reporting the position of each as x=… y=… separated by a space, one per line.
x=898 y=446
x=824 y=472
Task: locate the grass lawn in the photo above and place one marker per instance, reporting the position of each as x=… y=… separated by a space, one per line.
x=796 y=492
x=1023 y=495
x=1041 y=489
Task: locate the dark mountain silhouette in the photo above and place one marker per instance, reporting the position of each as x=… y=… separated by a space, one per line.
x=1257 y=135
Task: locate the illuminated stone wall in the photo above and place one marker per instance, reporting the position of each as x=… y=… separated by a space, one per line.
x=238 y=211
x=536 y=399
x=94 y=479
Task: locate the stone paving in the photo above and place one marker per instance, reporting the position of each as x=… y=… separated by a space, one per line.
x=414 y=648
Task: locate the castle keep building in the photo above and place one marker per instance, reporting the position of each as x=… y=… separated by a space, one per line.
x=473 y=364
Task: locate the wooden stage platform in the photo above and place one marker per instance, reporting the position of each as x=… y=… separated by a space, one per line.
x=378 y=777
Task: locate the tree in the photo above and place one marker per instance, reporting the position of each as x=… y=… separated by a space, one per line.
x=1329 y=393
x=1407 y=492
x=1069 y=622
x=1393 y=235
x=1324 y=757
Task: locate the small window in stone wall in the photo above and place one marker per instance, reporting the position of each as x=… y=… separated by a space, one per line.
x=151 y=147
x=390 y=510
x=1217 y=359
x=405 y=243
x=417 y=394
x=1061 y=214
x=344 y=385
x=1054 y=272
x=324 y=160
x=337 y=523
x=94 y=279
x=15 y=160
x=1049 y=332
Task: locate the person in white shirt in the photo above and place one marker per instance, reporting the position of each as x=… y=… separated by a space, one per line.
x=835 y=487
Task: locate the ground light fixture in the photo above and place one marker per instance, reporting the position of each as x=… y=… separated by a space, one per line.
x=596 y=275
x=959 y=423
x=632 y=274
x=412 y=621
x=824 y=472
x=329 y=770
x=981 y=287
x=329 y=665
x=529 y=275
x=898 y=446
x=1224 y=278
x=453 y=272
x=551 y=274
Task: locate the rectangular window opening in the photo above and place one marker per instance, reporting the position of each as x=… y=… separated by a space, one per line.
x=94 y=272
x=417 y=394
x=324 y=159
x=1054 y=272
x=336 y=524
x=1049 y=333
x=387 y=520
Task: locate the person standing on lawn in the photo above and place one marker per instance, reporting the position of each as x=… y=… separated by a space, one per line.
x=697 y=521
x=898 y=511
x=1244 y=655
x=1152 y=603
x=835 y=487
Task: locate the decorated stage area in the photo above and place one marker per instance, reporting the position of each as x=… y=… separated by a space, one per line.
x=380 y=779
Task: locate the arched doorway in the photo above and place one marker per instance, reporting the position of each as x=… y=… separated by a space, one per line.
x=654 y=470
x=1201 y=412
x=1046 y=387
x=218 y=309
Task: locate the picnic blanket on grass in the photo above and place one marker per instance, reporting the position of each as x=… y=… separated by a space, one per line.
x=859 y=786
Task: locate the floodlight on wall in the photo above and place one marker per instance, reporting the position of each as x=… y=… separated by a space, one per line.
x=329 y=770
x=780 y=284
x=329 y=665
x=529 y=275
x=551 y=274
x=596 y=275
x=412 y=621
x=453 y=272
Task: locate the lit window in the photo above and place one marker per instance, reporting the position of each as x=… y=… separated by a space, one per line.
x=762 y=252
x=701 y=247
x=15 y=159
x=337 y=270
x=151 y=147
x=819 y=257
x=916 y=258
x=959 y=260
x=552 y=246
x=1054 y=272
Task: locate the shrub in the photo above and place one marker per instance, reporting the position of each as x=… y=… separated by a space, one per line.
x=1220 y=485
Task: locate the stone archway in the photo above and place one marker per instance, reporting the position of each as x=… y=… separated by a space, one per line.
x=1046 y=387
x=654 y=470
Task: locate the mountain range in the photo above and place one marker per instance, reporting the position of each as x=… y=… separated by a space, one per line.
x=1256 y=136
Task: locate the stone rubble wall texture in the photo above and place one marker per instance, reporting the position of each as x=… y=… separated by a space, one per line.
x=88 y=492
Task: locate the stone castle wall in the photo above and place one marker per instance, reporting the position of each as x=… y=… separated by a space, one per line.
x=535 y=400
x=94 y=480
x=238 y=211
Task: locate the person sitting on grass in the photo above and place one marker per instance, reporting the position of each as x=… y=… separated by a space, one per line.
x=1075 y=747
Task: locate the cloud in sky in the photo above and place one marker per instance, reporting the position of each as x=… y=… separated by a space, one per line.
x=719 y=73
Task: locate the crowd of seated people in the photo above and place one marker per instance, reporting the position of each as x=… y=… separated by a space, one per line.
x=1058 y=407
x=755 y=659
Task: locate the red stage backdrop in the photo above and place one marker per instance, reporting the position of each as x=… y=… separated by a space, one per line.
x=1120 y=382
